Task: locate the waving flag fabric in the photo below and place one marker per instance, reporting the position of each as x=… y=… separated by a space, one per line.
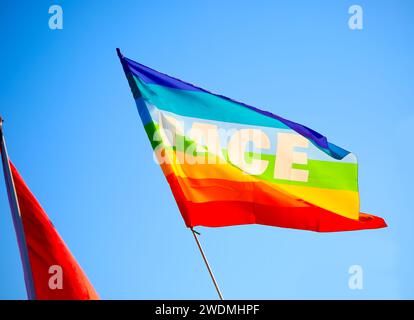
x=229 y=163
x=49 y=256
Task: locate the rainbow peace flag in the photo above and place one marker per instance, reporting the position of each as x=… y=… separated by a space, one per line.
x=229 y=163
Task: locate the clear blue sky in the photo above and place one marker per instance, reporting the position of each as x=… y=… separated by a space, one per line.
x=74 y=133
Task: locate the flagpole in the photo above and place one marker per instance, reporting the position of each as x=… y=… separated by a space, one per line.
x=207 y=264
x=16 y=215
x=137 y=94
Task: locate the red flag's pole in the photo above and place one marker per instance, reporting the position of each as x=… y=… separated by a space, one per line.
x=206 y=262
x=17 y=218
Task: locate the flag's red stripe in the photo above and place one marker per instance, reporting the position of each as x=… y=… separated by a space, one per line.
x=275 y=209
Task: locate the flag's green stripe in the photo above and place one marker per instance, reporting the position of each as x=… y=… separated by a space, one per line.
x=322 y=174
x=203 y=105
x=150 y=129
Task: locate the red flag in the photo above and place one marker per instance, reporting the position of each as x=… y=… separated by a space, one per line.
x=56 y=273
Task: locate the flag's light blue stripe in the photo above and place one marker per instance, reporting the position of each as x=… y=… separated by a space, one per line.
x=203 y=106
